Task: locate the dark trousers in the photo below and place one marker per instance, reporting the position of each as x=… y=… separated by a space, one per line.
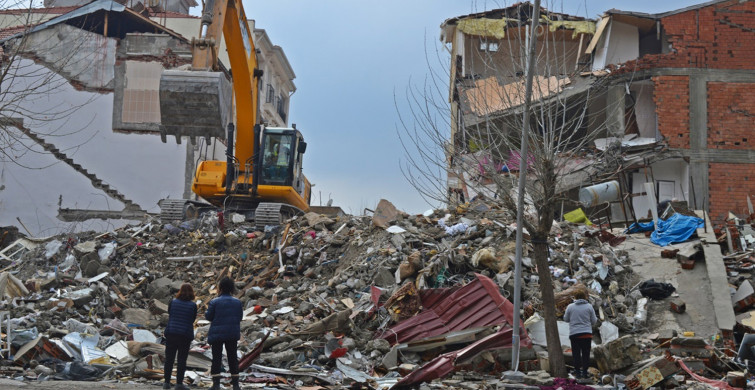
x=176 y=344
x=217 y=357
x=580 y=349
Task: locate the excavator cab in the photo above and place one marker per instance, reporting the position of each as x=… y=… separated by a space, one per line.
x=281 y=157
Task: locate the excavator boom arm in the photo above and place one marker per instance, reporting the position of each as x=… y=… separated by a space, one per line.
x=196 y=102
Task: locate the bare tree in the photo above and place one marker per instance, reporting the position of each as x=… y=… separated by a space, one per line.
x=33 y=70
x=465 y=142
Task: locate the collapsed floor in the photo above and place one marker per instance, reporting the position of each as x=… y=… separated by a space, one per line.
x=388 y=300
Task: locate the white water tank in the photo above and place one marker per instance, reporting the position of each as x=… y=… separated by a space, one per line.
x=599 y=193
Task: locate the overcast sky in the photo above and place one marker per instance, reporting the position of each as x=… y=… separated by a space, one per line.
x=350 y=57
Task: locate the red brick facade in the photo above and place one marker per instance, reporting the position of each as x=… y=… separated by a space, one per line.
x=671 y=94
x=729 y=186
x=731 y=115
x=720 y=36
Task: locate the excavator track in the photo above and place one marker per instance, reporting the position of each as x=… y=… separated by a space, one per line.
x=172 y=209
x=181 y=209
x=273 y=214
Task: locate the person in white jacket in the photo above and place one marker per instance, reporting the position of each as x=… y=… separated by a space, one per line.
x=581 y=317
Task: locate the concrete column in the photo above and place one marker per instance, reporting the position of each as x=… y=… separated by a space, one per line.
x=698 y=139
x=189 y=169
x=615 y=110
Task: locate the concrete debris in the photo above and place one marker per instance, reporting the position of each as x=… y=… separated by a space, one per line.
x=385 y=300
x=617 y=354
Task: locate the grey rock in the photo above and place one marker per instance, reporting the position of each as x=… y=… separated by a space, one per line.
x=161 y=288
x=278 y=359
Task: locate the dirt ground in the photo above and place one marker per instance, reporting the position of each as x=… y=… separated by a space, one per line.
x=72 y=385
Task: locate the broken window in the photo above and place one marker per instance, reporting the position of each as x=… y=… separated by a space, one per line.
x=281 y=108
x=270 y=94
x=491 y=46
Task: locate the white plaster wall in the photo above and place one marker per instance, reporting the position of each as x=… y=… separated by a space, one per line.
x=189 y=28
x=139 y=166
x=676 y=170
x=644 y=110
x=620 y=43
x=76 y=53
x=10 y=20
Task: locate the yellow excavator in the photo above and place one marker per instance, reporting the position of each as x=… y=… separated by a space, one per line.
x=262 y=175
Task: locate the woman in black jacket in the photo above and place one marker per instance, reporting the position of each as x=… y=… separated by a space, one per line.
x=224 y=313
x=179 y=333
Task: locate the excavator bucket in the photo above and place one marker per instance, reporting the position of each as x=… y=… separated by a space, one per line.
x=194 y=104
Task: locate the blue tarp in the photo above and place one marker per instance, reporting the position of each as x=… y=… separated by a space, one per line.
x=639 y=227
x=676 y=228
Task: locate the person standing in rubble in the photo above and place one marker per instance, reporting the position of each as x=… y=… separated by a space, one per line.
x=224 y=313
x=581 y=318
x=179 y=333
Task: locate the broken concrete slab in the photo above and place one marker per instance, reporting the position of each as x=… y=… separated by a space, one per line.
x=617 y=354
x=385 y=214
x=744 y=298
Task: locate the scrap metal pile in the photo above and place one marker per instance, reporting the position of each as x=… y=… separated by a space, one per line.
x=385 y=300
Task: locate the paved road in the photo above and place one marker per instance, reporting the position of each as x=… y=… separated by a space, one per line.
x=692 y=286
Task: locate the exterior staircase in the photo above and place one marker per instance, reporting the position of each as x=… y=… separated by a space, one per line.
x=96 y=182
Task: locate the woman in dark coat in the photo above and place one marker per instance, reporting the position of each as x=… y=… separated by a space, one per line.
x=179 y=333
x=581 y=318
x=224 y=313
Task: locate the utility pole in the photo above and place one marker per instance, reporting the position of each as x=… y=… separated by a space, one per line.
x=531 y=45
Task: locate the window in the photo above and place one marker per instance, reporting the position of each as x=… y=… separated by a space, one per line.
x=486 y=45
x=281 y=108
x=277 y=158
x=270 y=94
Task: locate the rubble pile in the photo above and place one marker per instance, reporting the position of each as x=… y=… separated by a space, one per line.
x=384 y=300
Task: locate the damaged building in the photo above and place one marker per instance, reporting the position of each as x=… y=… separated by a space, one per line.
x=388 y=300
x=86 y=152
x=672 y=92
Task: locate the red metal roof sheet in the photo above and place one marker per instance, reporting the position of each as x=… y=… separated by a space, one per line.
x=477 y=304
x=446 y=363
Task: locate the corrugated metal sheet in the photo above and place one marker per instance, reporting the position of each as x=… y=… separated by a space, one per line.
x=445 y=363
x=475 y=305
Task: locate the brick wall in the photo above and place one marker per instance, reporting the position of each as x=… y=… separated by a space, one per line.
x=718 y=36
x=729 y=186
x=671 y=95
x=731 y=115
